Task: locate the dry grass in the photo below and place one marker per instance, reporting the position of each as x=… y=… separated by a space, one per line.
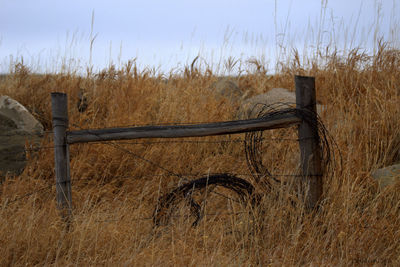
x=357 y=225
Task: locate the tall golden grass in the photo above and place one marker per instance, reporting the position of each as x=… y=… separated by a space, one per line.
x=115 y=192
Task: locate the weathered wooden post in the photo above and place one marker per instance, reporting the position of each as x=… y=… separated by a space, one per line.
x=59 y=108
x=309 y=141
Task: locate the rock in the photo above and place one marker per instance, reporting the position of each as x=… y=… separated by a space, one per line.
x=273 y=96
x=387 y=176
x=276 y=95
x=17 y=127
x=227 y=88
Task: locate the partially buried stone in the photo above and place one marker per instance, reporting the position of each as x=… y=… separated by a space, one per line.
x=226 y=88
x=278 y=98
x=17 y=128
x=387 y=176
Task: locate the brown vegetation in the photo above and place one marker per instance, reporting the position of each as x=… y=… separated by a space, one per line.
x=115 y=192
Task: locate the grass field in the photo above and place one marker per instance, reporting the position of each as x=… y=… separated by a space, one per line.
x=115 y=191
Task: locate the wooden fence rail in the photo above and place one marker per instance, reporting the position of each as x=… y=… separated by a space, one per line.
x=310 y=150
x=179 y=131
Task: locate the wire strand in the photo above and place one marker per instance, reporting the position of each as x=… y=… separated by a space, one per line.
x=29 y=194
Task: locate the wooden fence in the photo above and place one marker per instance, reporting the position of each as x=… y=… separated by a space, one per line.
x=309 y=141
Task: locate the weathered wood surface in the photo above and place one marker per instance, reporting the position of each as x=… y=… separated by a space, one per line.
x=61 y=152
x=176 y=131
x=309 y=142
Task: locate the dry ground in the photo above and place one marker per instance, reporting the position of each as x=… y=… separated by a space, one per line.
x=115 y=192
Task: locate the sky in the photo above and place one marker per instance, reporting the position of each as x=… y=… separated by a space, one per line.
x=54 y=35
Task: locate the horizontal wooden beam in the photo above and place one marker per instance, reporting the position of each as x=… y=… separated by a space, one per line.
x=176 y=131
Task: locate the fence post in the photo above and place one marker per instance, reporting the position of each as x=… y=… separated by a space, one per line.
x=309 y=142
x=59 y=109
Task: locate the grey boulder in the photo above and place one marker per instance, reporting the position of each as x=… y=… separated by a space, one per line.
x=276 y=96
x=387 y=176
x=18 y=128
x=227 y=88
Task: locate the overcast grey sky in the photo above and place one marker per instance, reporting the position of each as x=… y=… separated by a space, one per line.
x=171 y=33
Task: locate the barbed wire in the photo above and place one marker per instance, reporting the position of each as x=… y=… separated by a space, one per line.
x=182 y=176
x=28 y=194
x=224 y=141
x=7 y=202
x=136 y=177
x=75 y=178
x=117 y=145
x=197 y=141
